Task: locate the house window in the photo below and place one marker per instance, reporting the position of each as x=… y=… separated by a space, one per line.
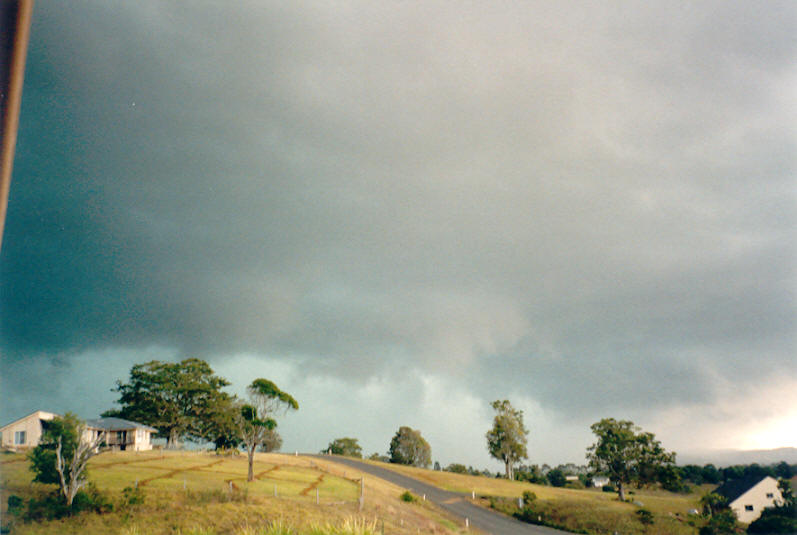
x=748 y=507
x=770 y=495
x=19 y=437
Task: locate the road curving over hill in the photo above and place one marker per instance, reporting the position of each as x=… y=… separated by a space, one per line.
x=483 y=519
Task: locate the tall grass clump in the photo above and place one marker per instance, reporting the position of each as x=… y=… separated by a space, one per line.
x=350 y=526
x=278 y=527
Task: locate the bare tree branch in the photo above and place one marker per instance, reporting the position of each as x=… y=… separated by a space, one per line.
x=86 y=449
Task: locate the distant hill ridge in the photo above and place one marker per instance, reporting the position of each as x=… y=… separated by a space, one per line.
x=722 y=458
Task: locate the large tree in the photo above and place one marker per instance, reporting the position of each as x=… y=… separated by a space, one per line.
x=626 y=454
x=177 y=398
x=409 y=447
x=221 y=424
x=345 y=446
x=256 y=418
x=507 y=439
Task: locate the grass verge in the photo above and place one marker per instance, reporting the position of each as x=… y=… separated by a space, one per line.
x=201 y=493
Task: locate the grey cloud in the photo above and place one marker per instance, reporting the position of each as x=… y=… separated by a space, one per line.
x=534 y=197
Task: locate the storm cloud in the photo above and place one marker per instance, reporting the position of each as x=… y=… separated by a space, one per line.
x=588 y=209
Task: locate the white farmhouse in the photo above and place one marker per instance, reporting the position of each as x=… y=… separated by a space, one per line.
x=114 y=433
x=749 y=496
x=117 y=433
x=25 y=433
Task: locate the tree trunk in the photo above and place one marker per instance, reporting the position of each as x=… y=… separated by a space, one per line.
x=250 y=450
x=173 y=441
x=508 y=468
x=621 y=490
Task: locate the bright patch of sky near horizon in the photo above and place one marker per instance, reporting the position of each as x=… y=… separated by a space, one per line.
x=401 y=212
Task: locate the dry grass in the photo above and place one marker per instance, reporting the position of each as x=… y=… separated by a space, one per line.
x=190 y=493
x=589 y=510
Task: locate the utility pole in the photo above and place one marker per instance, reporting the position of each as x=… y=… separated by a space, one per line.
x=15 y=18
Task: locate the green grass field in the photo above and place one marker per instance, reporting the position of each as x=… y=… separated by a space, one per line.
x=202 y=493
x=589 y=510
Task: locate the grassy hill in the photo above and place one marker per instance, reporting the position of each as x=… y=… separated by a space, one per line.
x=578 y=510
x=201 y=493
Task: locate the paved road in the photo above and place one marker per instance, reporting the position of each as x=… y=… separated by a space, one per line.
x=479 y=517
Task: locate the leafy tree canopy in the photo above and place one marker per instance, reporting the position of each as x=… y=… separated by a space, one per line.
x=42 y=457
x=221 y=423
x=256 y=418
x=556 y=478
x=409 y=447
x=626 y=454
x=507 y=439
x=177 y=398
x=272 y=441
x=345 y=446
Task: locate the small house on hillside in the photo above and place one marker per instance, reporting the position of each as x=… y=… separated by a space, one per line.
x=600 y=481
x=115 y=433
x=751 y=495
x=121 y=434
x=25 y=433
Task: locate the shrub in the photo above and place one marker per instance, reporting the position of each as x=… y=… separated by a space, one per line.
x=408 y=497
x=52 y=505
x=15 y=505
x=528 y=497
x=132 y=496
x=556 y=477
x=92 y=499
x=645 y=517
x=720 y=523
x=608 y=488
x=456 y=468
x=781 y=519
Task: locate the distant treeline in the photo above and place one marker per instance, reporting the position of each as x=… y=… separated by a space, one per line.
x=679 y=481
x=708 y=473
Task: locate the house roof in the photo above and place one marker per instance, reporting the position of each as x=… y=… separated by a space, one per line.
x=34 y=413
x=117 y=424
x=736 y=487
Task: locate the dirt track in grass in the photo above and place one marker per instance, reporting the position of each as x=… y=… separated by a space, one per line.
x=264 y=472
x=313 y=485
x=173 y=473
x=132 y=461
